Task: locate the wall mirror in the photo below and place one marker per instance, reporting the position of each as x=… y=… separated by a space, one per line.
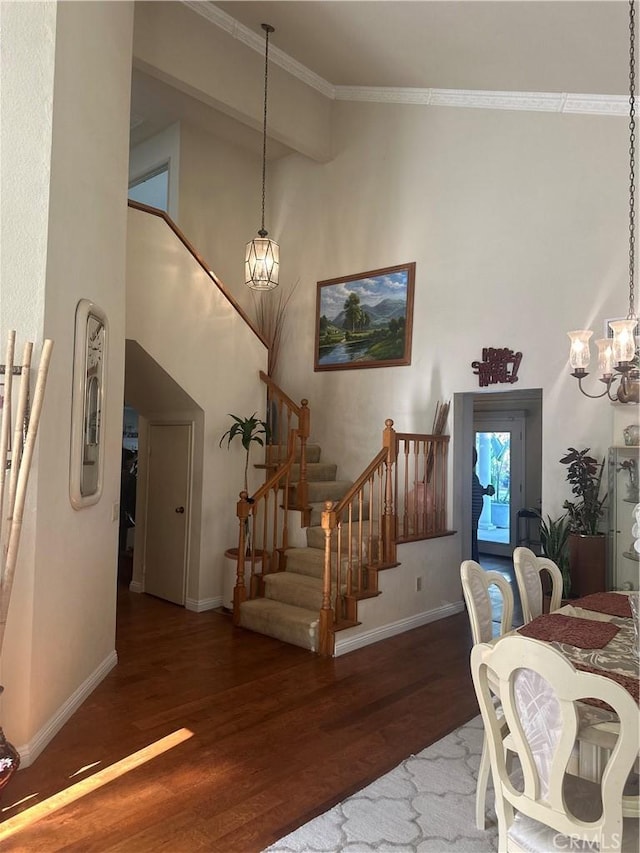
x=87 y=407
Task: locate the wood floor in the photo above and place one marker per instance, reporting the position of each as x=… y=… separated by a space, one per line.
x=278 y=735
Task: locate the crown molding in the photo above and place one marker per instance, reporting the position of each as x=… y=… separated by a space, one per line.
x=617 y=105
x=256 y=42
x=609 y=105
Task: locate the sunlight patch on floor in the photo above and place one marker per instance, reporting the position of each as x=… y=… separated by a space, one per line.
x=92 y=783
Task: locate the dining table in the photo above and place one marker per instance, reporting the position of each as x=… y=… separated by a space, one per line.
x=598 y=633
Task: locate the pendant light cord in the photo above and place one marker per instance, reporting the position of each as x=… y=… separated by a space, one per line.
x=632 y=157
x=268 y=29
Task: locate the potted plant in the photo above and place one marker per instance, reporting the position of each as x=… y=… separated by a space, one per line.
x=554 y=538
x=249 y=430
x=587 y=545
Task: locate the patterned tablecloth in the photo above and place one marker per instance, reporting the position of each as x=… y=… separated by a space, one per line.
x=618 y=657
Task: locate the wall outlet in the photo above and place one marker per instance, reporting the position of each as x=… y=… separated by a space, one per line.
x=419 y=584
x=115 y=511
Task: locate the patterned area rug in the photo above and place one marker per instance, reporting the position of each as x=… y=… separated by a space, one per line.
x=425 y=805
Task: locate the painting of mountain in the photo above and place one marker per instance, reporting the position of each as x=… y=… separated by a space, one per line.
x=365 y=320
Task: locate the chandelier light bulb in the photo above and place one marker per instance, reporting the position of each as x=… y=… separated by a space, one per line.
x=624 y=345
x=605 y=358
x=579 y=355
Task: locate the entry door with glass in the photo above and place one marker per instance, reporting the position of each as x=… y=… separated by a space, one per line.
x=499 y=442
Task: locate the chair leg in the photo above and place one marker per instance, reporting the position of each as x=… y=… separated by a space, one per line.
x=483 y=780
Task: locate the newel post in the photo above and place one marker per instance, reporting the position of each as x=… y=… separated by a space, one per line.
x=243 y=510
x=390 y=443
x=304 y=420
x=326 y=635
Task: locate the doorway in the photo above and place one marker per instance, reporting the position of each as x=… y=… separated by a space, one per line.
x=168 y=510
x=497 y=412
x=499 y=442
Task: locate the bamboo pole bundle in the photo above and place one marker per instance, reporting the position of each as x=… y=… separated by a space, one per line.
x=5 y=429
x=18 y=439
x=22 y=454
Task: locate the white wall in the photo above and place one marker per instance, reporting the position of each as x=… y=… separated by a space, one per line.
x=517 y=223
x=64 y=176
x=196 y=336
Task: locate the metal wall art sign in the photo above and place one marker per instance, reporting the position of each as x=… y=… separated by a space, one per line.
x=498 y=365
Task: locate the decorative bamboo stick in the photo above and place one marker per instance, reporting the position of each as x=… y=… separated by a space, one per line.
x=5 y=429
x=18 y=439
x=8 y=569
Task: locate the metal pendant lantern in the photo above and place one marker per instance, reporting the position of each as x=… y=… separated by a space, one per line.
x=262 y=259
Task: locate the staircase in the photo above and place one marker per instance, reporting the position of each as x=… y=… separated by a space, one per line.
x=289 y=610
x=315 y=545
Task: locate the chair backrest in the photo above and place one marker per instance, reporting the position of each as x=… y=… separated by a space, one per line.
x=475 y=587
x=539 y=689
x=528 y=568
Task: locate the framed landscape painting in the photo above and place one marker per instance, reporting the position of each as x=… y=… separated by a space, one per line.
x=365 y=320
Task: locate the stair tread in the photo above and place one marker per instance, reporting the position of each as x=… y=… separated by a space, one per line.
x=287 y=611
x=278 y=578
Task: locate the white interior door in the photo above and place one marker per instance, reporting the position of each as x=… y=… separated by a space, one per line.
x=499 y=441
x=166 y=545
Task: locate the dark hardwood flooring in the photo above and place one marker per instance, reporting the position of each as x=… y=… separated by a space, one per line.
x=278 y=735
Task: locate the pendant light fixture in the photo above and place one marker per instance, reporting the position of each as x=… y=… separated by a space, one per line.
x=617 y=355
x=262 y=260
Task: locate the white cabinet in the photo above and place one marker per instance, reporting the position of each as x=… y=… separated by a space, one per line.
x=623 y=467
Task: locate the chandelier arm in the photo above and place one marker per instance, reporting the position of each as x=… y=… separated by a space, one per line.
x=608 y=382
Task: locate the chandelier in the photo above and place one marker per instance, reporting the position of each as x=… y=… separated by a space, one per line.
x=617 y=355
x=262 y=259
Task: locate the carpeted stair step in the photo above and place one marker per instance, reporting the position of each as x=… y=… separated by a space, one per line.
x=325 y=490
x=318 y=506
x=316 y=538
x=280 y=452
x=295 y=625
x=293 y=588
x=310 y=562
x=316 y=471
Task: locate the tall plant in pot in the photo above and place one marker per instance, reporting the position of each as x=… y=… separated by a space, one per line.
x=249 y=430
x=587 y=545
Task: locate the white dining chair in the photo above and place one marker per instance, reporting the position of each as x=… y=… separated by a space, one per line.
x=528 y=569
x=475 y=588
x=544 y=807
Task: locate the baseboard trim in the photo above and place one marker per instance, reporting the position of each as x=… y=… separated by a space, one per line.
x=135 y=586
x=199 y=605
x=30 y=751
x=368 y=638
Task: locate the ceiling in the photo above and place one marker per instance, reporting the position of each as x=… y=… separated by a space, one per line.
x=505 y=45
x=509 y=45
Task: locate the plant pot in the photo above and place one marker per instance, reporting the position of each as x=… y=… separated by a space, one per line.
x=230 y=574
x=588 y=563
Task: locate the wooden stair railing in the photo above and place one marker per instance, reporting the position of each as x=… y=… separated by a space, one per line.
x=263 y=522
x=402 y=493
x=421 y=486
x=283 y=415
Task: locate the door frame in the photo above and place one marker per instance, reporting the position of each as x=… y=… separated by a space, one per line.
x=159 y=422
x=464 y=403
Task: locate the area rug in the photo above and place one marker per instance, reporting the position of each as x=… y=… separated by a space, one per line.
x=425 y=805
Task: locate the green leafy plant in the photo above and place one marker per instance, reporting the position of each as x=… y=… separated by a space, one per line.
x=554 y=538
x=584 y=475
x=248 y=430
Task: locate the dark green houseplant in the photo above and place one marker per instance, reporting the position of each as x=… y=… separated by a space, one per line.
x=587 y=545
x=248 y=430
x=554 y=538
